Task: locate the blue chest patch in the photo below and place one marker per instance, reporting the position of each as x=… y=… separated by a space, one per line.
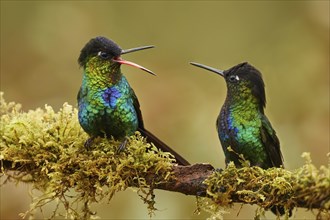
x=231 y=127
x=110 y=96
x=227 y=129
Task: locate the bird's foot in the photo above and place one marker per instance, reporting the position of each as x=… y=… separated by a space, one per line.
x=89 y=143
x=122 y=146
x=219 y=170
x=201 y=193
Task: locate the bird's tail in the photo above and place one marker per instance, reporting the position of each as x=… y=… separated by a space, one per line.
x=161 y=145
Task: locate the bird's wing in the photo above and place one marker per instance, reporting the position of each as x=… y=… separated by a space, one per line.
x=136 y=105
x=81 y=94
x=271 y=143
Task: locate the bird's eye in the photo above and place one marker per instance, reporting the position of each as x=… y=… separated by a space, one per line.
x=103 y=55
x=233 y=78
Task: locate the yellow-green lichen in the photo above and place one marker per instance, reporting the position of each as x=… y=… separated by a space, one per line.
x=274 y=186
x=49 y=146
x=46 y=148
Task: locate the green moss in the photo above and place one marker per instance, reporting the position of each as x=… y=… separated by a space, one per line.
x=48 y=147
x=51 y=145
x=274 y=186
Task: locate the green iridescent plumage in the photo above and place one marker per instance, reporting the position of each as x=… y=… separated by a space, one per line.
x=106 y=101
x=242 y=124
x=107 y=104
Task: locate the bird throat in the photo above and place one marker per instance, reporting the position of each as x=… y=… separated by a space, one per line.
x=102 y=76
x=242 y=100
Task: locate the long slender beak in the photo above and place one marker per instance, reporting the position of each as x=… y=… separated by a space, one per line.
x=122 y=61
x=136 y=49
x=217 y=71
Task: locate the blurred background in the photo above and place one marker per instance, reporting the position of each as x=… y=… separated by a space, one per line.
x=288 y=41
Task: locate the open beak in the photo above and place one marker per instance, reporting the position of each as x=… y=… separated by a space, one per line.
x=122 y=61
x=217 y=71
x=136 y=49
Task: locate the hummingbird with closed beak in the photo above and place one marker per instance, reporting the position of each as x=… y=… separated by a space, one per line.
x=242 y=124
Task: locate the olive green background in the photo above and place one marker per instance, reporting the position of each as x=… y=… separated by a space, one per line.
x=288 y=41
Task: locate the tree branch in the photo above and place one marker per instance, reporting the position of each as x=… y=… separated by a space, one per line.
x=190 y=180
x=47 y=149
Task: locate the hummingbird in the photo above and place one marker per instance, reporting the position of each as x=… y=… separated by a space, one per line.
x=242 y=123
x=107 y=104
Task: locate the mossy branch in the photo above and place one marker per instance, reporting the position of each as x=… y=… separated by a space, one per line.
x=47 y=149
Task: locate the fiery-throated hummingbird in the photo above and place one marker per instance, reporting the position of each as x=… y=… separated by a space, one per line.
x=107 y=104
x=242 y=124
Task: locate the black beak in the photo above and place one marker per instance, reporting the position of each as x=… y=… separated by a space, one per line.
x=122 y=61
x=136 y=49
x=217 y=71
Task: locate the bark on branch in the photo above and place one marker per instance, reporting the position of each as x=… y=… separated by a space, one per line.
x=190 y=180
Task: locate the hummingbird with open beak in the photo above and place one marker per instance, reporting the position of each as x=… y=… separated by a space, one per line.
x=107 y=104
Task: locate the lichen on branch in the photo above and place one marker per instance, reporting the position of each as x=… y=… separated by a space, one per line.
x=46 y=148
x=307 y=187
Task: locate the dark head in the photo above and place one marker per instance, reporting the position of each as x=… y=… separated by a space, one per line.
x=242 y=78
x=106 y=53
